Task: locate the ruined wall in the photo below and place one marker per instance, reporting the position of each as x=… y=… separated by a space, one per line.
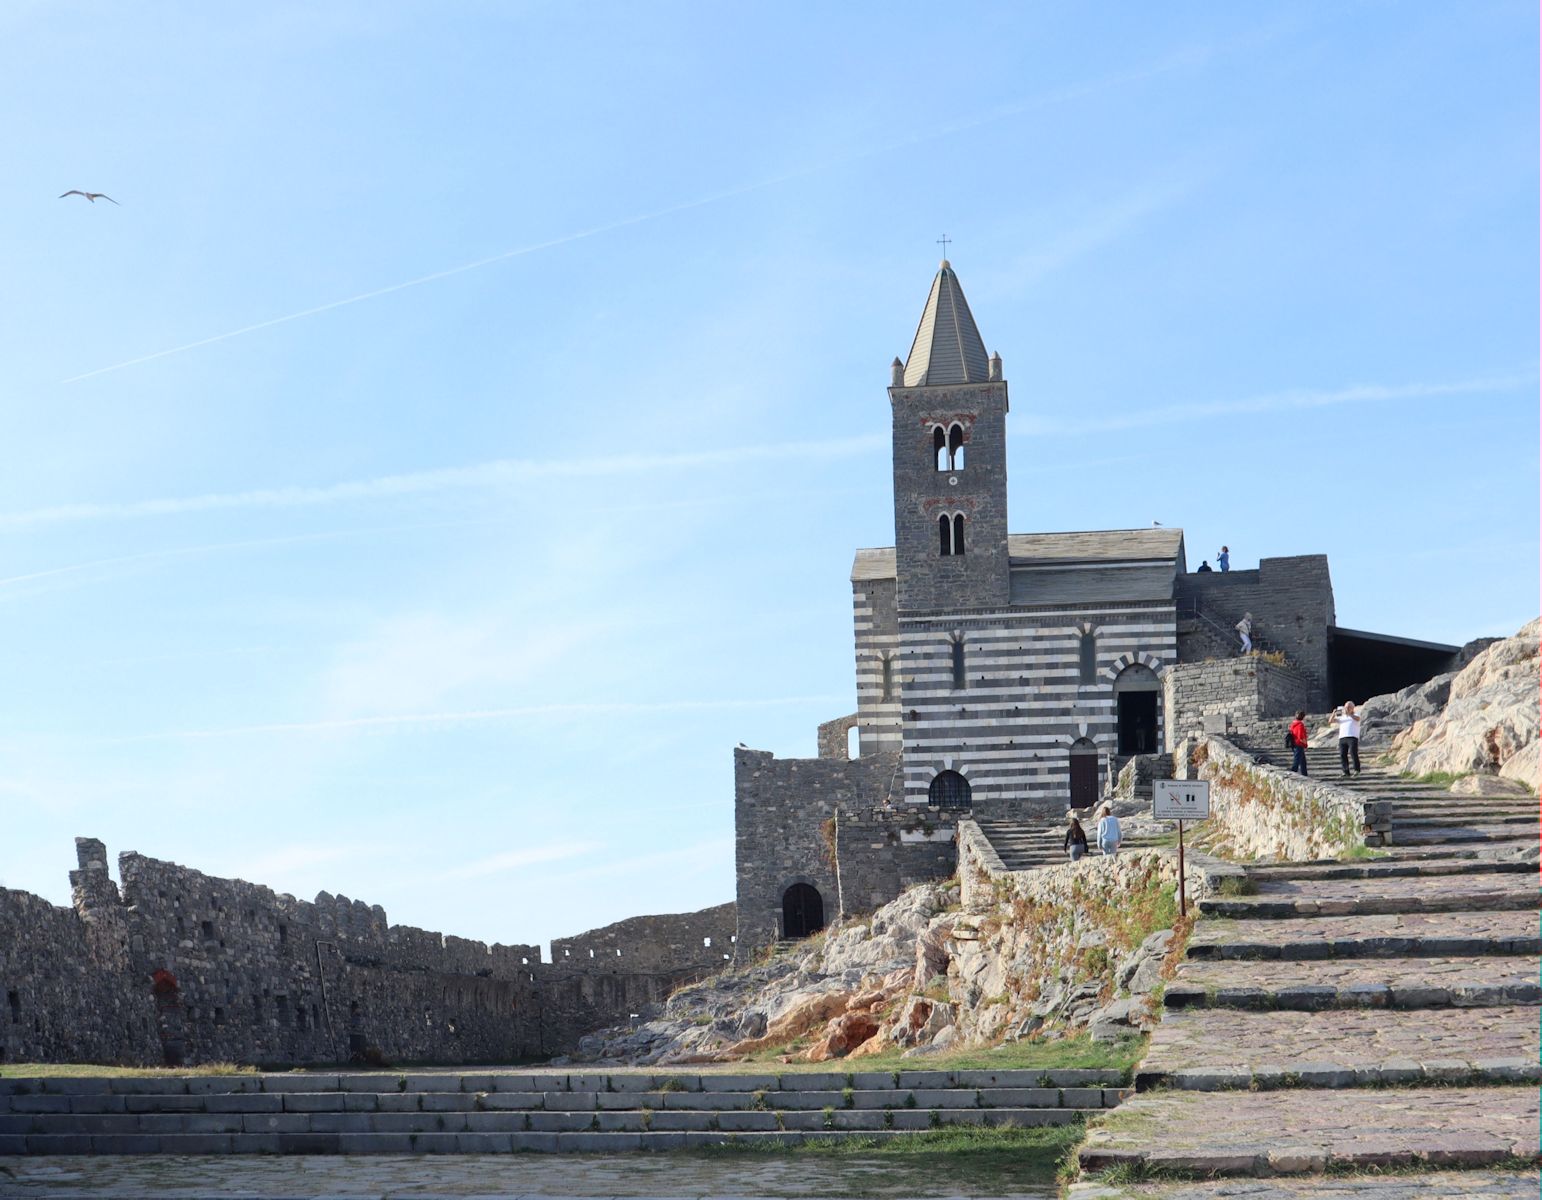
x=1229 y=695
x=784 y=830
x=1291 y=600
x=880 y=852
x=265 y=978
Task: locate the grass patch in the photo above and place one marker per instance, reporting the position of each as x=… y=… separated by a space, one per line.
x=1361 y=851
x=1004 y=1154
x=1439 y=778
x=1059 y=1054
x=1236 y=885
x=103 y=1071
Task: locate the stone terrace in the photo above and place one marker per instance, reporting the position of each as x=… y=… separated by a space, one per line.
x=447 y=1113
x=1368 y=983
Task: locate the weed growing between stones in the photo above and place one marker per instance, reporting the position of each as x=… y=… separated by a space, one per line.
x=1236 y=885
x=672 y=1085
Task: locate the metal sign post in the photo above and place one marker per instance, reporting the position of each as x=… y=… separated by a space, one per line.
x=1180 y=800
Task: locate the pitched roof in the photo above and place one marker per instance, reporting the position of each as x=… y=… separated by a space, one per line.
x=947 y=346
x=1034 y=549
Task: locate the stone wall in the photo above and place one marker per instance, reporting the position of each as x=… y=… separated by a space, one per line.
x=1267 y=812
x=834 y=736
x=882 y=851
x=1291 y=600
x=262 y=977
x=1229 y=694
x=784 y=830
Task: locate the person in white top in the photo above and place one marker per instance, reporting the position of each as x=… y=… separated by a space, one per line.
x=1349 y=735
x=1109 y=835
x=1245 y=628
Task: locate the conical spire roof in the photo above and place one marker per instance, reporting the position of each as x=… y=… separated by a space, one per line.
x=948 y=348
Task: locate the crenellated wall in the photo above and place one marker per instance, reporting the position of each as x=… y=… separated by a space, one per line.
x=265 y=978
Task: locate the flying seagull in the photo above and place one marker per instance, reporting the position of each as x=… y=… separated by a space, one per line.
x=91 y=196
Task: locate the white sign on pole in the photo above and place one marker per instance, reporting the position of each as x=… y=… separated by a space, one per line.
x=1180 y=799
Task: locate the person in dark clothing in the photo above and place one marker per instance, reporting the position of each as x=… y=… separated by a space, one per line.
x=1203 y=567
x=1298 y=740
x=1075 y=838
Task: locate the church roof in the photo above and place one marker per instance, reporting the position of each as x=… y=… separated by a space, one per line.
x=1043 y=549
x=947 y=346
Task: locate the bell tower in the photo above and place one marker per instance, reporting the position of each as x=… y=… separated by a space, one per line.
x=949 y=406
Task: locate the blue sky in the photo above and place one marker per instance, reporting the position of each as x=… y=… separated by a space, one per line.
x=457 y=439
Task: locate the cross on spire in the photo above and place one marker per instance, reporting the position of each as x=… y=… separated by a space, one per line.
x=943 y=242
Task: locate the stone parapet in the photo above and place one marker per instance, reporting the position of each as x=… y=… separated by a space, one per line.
x=1266 y=812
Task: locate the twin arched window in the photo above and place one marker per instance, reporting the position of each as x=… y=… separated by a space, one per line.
x=950 y=534
x=948 y=446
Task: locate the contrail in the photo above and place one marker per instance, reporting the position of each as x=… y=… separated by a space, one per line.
x=1177 y=61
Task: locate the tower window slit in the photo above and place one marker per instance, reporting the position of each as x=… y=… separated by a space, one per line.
x=958 y=534
x=945 y=534
x=958 y=665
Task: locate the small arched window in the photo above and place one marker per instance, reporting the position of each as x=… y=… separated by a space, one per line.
x=888 y=677
x=945 y=534
x=958 y=664
x=1089 y=658
x=958 y=533
x=956 y=448
x=949 y=790
x=940 y=448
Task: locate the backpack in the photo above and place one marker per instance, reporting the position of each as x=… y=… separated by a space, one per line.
x=1290 y=740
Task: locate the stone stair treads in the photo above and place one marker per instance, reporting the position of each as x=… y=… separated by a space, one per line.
x=1311 y=986
x=1214 y=1049
x=499 y=1113
x=1511 y=931
x=1285 y=1132
x=1457 y=832
x=1382 y=868
x=1337 y=897
x=1423 y=1185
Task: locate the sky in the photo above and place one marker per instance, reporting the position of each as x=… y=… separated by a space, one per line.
x=455 y=438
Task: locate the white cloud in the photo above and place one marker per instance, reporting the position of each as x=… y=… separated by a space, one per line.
x=512 y=860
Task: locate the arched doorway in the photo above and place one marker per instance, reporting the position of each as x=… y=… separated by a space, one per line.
x=1135 y=701
x=1084 y=773
x=949 y=791
x=803 y=911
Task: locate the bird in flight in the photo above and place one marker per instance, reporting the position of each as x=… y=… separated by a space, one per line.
x=91 y=196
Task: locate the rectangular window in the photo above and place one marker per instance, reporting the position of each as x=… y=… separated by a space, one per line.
x=959 y=680
x=1089 y=658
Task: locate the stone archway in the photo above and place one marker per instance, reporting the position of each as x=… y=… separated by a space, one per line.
x=803 y=911
x=1084 y=773
x=1137 y=709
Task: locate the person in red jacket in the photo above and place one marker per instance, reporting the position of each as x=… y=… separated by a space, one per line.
x=1298 y=739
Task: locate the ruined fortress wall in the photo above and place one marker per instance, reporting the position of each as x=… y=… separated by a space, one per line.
x=882 y=851
x=266 y=978
x=1230 y=694
x=673 y=944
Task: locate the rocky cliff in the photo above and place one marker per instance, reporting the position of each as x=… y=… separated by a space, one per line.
x=1481 y=721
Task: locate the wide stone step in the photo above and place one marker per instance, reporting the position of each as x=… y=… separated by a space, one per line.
x=1279 y=898
x=587 y=1142
x=1421 y=821
x=1433 y=934
x=1284 y=1132
x=1395 y=983
x=1452 y=834
x=1384 y=868
x=1217 y=1049
x=1431 y=1184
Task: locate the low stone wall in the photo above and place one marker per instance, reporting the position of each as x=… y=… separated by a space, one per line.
x=1268 y=812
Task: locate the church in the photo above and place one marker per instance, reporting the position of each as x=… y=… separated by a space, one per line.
x=1004 y=676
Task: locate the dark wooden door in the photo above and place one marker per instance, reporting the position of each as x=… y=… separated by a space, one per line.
x=1084 y=780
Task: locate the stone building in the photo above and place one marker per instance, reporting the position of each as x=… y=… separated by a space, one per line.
x=1007 y=676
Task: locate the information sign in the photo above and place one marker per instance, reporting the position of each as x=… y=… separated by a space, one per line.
x=1180 y=799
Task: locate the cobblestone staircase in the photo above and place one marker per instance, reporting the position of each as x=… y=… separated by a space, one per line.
x=499 y=1113
x=1365 y=1015
x=1023 y=846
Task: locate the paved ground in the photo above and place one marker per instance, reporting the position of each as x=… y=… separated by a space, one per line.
x=1302 y=1032
x=1445 y=1185
x=1439 y=1042
x=504 y=1176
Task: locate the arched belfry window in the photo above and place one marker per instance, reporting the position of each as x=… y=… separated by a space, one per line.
x=958 y=533
x=959 y=680
x=1089 y=658
x=945 y=534
x=956 y=448
x=940 y=448
x=949 y=790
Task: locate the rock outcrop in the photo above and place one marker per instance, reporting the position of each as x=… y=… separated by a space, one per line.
x=1482 y=720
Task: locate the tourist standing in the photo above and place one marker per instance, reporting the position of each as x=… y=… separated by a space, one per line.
x=1349 y=736
x=1109 y=835
x=1223 y=559
x=1245 y=628
x=1075 y=838
x=1298 y=740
